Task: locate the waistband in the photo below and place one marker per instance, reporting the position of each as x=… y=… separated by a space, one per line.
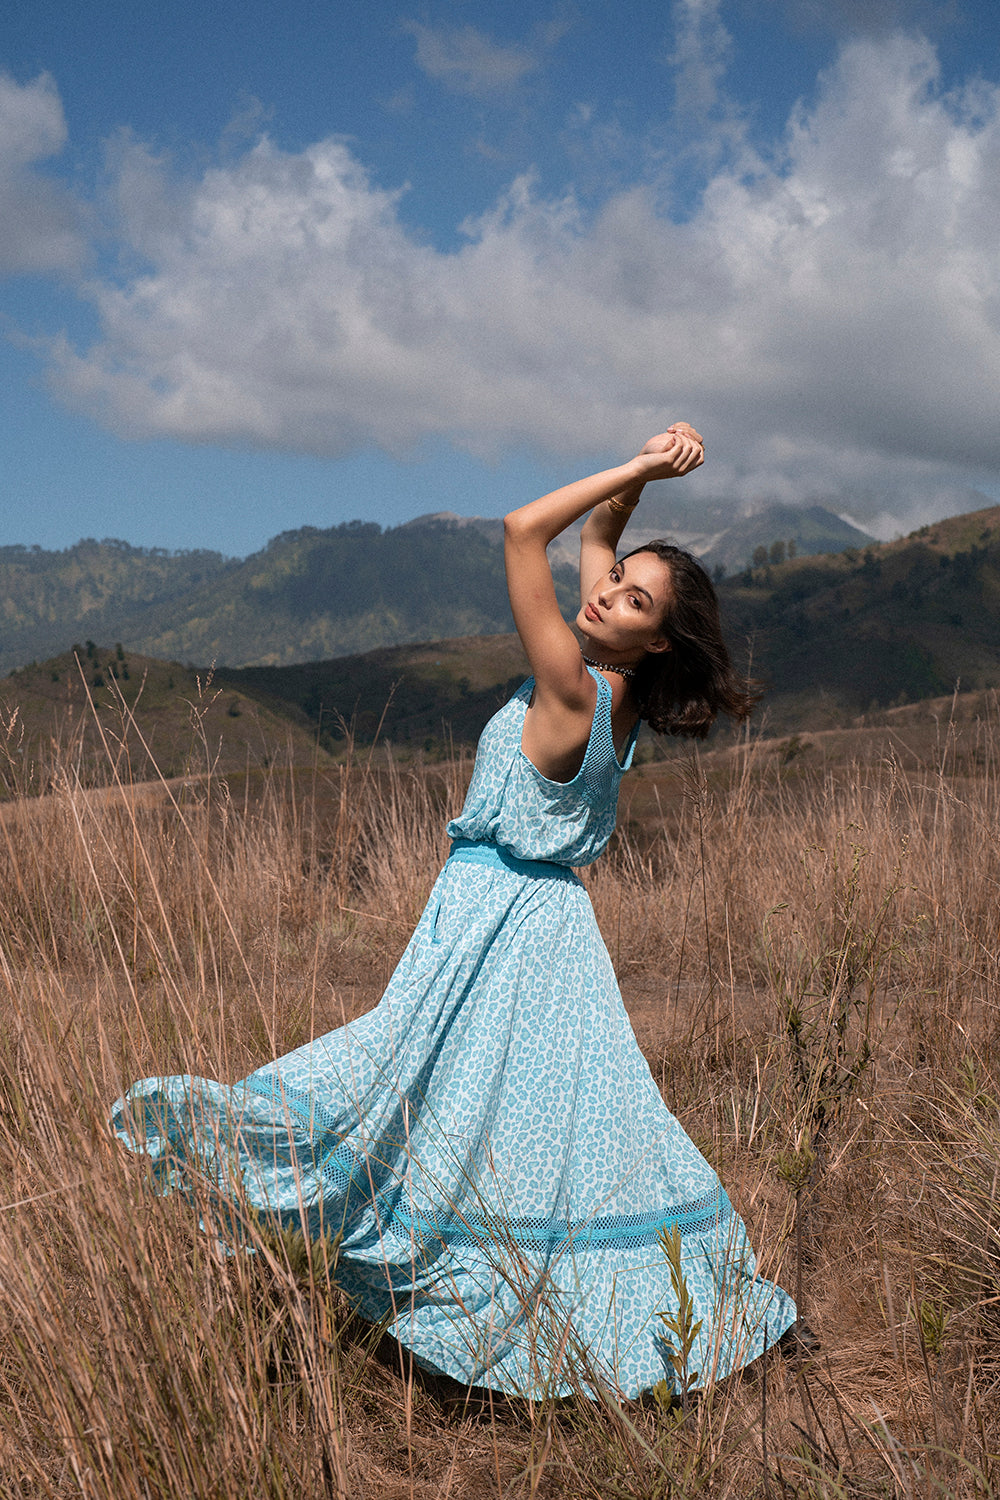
x=472 y=852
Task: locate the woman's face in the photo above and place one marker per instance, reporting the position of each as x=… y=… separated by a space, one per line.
x=624 y=613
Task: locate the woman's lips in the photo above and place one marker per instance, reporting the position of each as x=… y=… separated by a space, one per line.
x=591 y=613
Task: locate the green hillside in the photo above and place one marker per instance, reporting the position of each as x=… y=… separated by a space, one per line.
x=96 y=590
x=308 y=594
x=115 y=711
x=889 y=624
x=422 y=697
x=313 y=594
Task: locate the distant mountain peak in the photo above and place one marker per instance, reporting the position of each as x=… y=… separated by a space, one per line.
x=812 y=528
x=451 y=518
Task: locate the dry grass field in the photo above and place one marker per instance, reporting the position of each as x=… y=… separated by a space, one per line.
x=807 y=938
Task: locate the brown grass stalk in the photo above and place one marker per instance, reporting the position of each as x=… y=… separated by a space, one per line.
x=811 y=963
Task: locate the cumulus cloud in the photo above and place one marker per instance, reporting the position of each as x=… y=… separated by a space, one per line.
x=39 y=227
x=467 y=61
x=833 y=320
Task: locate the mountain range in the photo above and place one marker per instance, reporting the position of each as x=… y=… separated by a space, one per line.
x=308 y=594
x=830 y=638
x=314 y=594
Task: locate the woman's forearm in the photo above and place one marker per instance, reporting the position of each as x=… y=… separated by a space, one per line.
x=608 y=520
x=551 y=514
x=667 y=456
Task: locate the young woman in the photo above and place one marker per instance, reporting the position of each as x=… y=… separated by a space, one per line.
x=488 y=1142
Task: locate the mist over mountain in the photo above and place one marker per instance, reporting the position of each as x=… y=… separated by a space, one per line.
x=793 y=530
x=725 y=543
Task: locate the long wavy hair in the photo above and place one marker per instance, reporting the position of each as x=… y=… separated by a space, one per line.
x=683 y=690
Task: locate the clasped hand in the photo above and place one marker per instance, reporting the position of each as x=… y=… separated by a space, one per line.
x=679 y=450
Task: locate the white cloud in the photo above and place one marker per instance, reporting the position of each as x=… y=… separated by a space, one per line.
x=699 y=48
x=868 y=16
x=39 y=227
x=708 y=124
x=466 y=60
x=833 y=322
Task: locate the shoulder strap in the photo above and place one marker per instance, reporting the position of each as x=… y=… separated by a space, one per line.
x=601 y=745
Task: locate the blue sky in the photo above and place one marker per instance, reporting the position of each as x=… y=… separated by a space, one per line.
x=264 y=266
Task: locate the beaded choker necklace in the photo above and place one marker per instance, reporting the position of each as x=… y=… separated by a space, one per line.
x=607 y=666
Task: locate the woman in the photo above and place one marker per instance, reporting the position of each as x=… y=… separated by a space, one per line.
x=488 y=1142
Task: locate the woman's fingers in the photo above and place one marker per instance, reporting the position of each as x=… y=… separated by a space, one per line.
x=696 y=456
x=680 y=448
x=688 y=454
x=686 y=427
x=675 y=435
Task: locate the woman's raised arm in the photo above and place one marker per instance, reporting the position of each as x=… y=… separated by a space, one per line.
x=603 y=527
x=551 y=647
x=600 y=536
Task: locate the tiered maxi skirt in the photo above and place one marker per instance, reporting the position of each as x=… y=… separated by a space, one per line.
x=491 y=1149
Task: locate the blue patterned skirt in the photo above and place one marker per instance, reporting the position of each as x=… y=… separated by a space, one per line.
x=492 y=1150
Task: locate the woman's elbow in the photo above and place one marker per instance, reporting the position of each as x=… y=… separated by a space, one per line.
x=515 y=526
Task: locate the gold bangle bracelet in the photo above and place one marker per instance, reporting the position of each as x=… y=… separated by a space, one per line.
x=621 y=509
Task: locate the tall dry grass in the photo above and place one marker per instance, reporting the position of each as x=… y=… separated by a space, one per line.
x=810 y=961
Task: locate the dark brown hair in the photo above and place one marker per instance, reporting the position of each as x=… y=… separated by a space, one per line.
x=683 y=690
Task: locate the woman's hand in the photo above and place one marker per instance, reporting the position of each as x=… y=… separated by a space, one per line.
x=674 y=452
